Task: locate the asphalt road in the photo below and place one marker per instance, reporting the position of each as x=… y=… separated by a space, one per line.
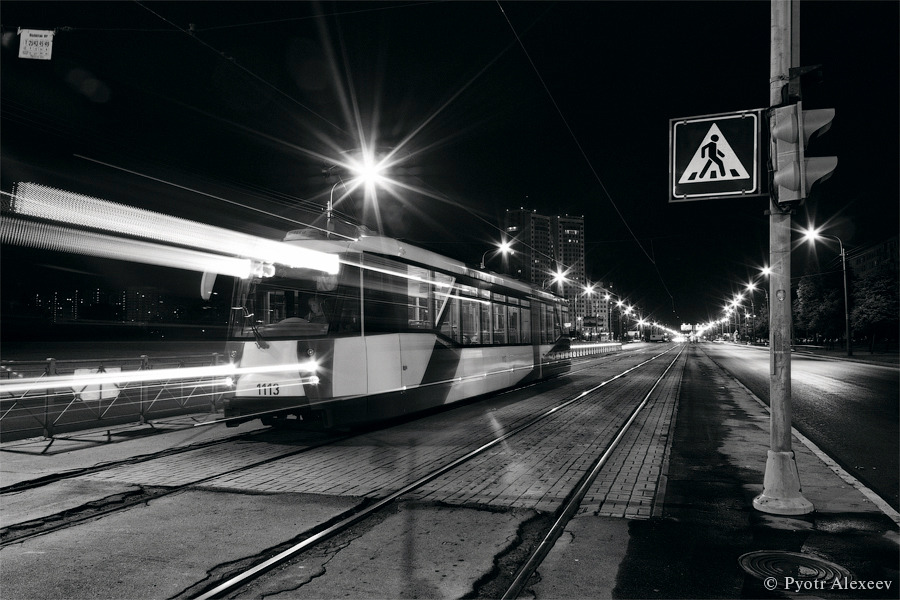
x=849 y=409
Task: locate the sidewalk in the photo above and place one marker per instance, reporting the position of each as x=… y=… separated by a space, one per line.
x=706 y=522
x=860 y=354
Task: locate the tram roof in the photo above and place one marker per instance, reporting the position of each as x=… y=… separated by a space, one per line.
x=368 y=242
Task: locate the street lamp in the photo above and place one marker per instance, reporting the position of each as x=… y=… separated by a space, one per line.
x=751 y=287
x=811 y=235
x=366 y=171
x=557 y=277
x=588 y=306
x=502 y=248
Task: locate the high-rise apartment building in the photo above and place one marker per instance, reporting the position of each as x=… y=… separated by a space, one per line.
x=568 y=242
x=533 y=258
x=544 y=245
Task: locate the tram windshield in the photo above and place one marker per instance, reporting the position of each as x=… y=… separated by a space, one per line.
x=296 y=303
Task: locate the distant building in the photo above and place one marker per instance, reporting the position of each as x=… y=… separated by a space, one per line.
x=142 y=304
x=65 y=306
x=863 y=261
x=533 y=258
x=544 y=245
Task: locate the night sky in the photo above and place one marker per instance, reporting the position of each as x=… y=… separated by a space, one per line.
x=225 y=112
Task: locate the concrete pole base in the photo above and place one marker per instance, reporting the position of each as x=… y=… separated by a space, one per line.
x=781 y=487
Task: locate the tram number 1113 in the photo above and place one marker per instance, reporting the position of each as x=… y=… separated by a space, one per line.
x=267 y=389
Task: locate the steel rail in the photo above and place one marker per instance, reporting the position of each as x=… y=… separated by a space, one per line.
x=268 y=564
x=572 y=504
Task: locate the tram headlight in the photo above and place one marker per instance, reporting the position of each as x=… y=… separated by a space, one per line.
x=229 y=382
x=310 y=366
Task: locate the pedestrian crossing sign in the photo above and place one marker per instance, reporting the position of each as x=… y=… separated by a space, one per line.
x=715 y=156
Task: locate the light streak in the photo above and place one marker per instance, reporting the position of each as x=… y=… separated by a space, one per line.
x=44 y=202
x=224 y=372
x=46 y=236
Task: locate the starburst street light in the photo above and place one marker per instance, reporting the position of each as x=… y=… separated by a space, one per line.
x=812 y=234
x=557 y=277
x=504 y=247
x=364 y=168
x=368 y=171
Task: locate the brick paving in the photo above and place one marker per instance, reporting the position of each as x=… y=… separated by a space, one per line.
x=632 y=483
x=539 y=468
x=535 y=469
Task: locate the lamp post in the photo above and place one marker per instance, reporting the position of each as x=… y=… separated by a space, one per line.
x=588 y=306
x=811 y=235
x=329 y=212
x=502 y=248
x=752 y=287
x=614 y=334
x=366 y=172
x=557 y=277
x=738 y=298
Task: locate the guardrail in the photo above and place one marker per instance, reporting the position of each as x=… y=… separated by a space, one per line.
x=48 y=397
x=592 y=348
x=52 y=396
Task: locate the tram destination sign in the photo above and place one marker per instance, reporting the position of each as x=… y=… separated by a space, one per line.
x=717 y=156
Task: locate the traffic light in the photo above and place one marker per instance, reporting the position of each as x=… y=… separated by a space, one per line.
x=791 y=128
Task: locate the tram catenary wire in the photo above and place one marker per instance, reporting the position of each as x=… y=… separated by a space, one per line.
x=356 y=516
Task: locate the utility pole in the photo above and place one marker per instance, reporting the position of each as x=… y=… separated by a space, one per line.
x=781 y=485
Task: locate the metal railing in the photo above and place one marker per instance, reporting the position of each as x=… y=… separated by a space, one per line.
x=69 y=395
x=47 y=407
x=591 y=348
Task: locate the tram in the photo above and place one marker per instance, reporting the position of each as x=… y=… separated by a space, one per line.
x=399 y=329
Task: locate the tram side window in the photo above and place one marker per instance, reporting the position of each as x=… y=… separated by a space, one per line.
x=385 y=302
x=552 y=321
x=547 y=325
x=450 y=322
x=514 y=325
x=562 y=317
x=526 y=322
x=499 y=323
x=470 y=316
x=485 y=337
x=420 y=298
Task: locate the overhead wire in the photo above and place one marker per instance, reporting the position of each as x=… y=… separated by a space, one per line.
x=193 y=30
x=333 y=14
x=583 y=153
x=202 y=193
x=243 y=69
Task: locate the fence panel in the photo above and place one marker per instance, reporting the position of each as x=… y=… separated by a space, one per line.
x=67 y=395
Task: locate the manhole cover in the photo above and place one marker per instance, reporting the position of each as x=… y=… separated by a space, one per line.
x=778 y=568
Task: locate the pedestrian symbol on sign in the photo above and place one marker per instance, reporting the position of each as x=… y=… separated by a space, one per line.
x=714 y=160
x=716 y=156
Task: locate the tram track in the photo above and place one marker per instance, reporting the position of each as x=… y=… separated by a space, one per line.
x=232 y=583
x=38 y=482
x=125 y=499
x=511 y=410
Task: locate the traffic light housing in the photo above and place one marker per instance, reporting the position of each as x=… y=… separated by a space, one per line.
x=791 y=128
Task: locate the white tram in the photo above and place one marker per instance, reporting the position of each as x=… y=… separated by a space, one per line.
x=398 y=330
